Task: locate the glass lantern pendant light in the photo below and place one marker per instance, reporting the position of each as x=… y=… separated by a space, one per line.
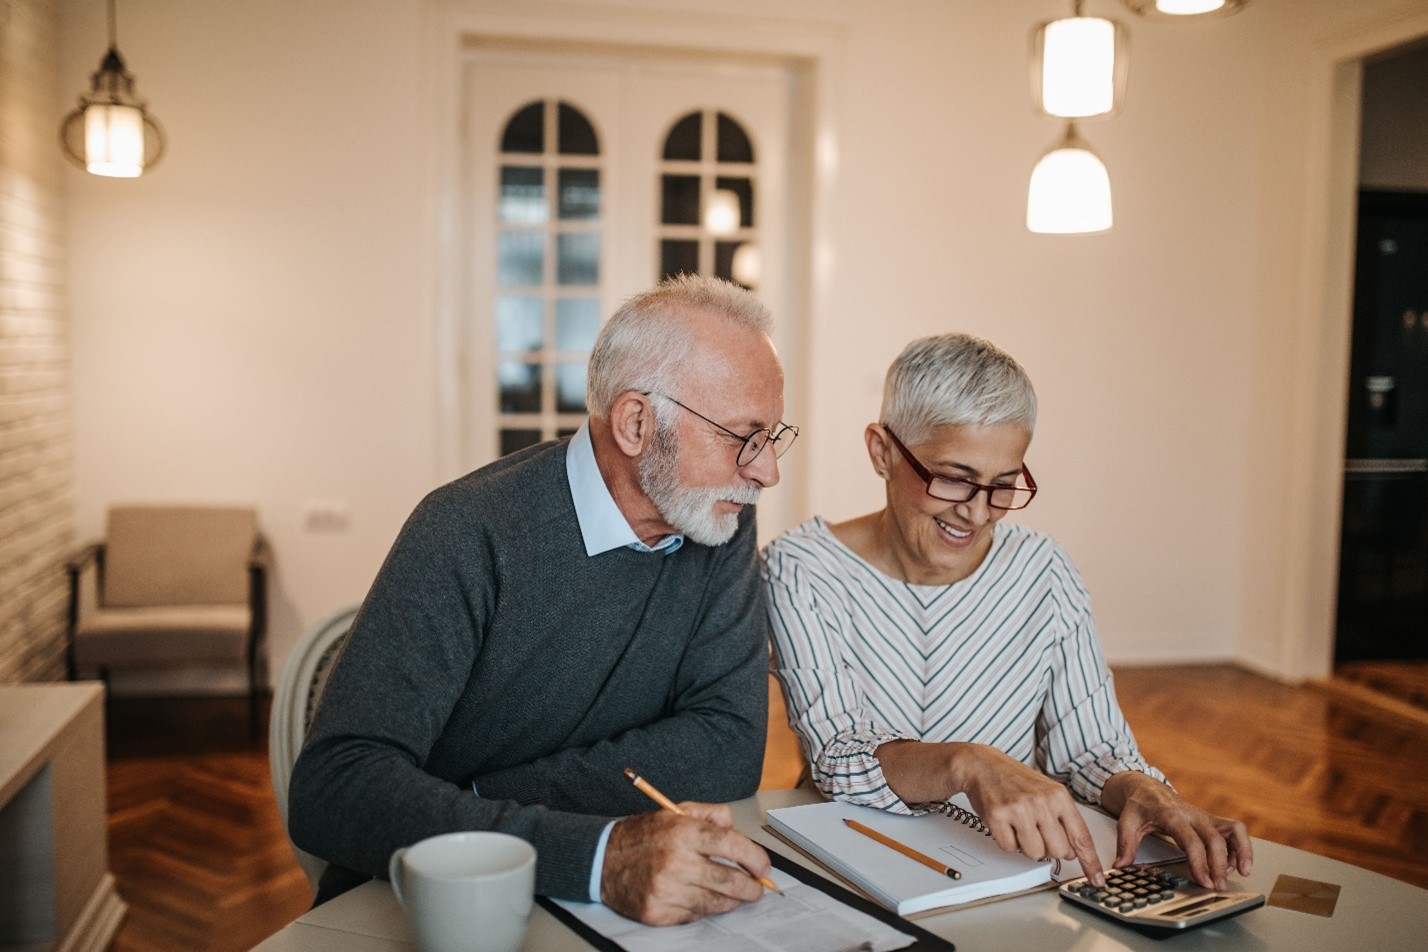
x=1078 y=66
x=1070 y=191
x=112 y=133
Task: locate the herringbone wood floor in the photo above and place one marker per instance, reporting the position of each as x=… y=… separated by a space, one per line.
x=201 y=858
x=195 y=842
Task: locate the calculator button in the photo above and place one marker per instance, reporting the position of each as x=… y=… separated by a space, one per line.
x=1127 y=906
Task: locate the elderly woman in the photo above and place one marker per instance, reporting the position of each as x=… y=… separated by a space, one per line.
x=928 y=648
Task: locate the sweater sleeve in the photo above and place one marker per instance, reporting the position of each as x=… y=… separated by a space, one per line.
x=360 y=789
x=826 y=708
x=710 y=744
x=1084 y=737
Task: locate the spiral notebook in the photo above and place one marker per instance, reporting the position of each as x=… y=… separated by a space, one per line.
x=953 y=835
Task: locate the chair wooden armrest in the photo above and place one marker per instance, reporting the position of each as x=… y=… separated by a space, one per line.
x=83 y=557
x=259 y=564
x=83 y=592
x=262 y=557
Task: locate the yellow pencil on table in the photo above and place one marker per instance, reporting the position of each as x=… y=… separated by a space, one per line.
x=651 y=791
x=907 y=851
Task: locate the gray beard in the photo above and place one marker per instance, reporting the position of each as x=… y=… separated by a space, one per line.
x=688 y=510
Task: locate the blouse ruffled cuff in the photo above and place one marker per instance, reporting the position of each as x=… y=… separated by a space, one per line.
x=849 y=770
x=1088 y=782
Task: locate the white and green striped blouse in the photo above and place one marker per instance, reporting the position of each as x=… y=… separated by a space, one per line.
x=1007 y=657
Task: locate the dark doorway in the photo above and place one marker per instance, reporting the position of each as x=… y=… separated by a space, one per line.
x=1383 y=564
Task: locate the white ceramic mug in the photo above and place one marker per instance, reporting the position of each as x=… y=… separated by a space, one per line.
x=466 y=892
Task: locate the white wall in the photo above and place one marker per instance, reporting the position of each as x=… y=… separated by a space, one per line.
x=1123 y=333
x=254 y=319
x=251 y=319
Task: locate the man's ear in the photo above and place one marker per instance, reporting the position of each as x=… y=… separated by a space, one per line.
x=632 y=422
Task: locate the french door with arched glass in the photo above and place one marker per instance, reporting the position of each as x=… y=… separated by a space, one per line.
x=587 y=177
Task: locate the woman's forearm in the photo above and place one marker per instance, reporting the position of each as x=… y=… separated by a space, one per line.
x=917 y=771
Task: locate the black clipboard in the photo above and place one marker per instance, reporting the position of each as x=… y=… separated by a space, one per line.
x=925 y=941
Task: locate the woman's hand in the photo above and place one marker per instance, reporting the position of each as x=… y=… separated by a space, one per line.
x=1213 y=845
x=1024 y=809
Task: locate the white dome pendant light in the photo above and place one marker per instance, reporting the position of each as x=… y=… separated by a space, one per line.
x=1070 y=191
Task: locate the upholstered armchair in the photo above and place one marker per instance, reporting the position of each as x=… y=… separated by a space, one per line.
x=171 y=587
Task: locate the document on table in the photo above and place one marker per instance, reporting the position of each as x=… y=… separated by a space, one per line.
x=803 y=919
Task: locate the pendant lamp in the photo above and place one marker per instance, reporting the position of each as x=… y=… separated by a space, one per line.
x=1171 y=9
x=722 y=215
x=112 y=133
x=1070 y=192
x=1079 y=66
x=747 y=266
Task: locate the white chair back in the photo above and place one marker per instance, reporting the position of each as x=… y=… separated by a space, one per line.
x=294 y=701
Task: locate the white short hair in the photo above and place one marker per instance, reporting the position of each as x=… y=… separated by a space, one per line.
x=643 y=348
x=955 y=380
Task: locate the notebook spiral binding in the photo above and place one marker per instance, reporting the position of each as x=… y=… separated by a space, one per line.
x=965 y=817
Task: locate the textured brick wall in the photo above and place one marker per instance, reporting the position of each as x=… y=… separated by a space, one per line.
x=36 y=439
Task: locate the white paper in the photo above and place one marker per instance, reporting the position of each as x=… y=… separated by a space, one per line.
x=803 y=919
x=901 y=884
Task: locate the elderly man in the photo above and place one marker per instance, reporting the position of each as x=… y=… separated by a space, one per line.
x=567 y=611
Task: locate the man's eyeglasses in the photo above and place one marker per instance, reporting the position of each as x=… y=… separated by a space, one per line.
x=954 y=489
x=781 y=435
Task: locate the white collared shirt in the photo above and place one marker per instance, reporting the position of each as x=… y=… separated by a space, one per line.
x=602 y=525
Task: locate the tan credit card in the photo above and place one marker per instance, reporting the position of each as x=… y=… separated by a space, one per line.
x=1304 y=895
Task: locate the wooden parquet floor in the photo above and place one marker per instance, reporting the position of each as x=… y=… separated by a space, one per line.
x=195 y=842
x=201 y=858
x=1297 y=765
x=1406 y=681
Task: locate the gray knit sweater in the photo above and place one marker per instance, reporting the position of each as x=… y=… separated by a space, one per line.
x=491 y=649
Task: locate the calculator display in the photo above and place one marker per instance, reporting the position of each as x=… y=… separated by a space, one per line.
x=1193 y=908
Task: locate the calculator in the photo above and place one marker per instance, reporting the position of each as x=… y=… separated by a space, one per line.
x=1156 y=899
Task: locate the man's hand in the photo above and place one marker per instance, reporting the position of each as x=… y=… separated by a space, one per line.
x=661 y=868
x=1213 y=845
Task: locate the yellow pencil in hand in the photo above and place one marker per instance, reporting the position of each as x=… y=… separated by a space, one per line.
x=651 y=791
